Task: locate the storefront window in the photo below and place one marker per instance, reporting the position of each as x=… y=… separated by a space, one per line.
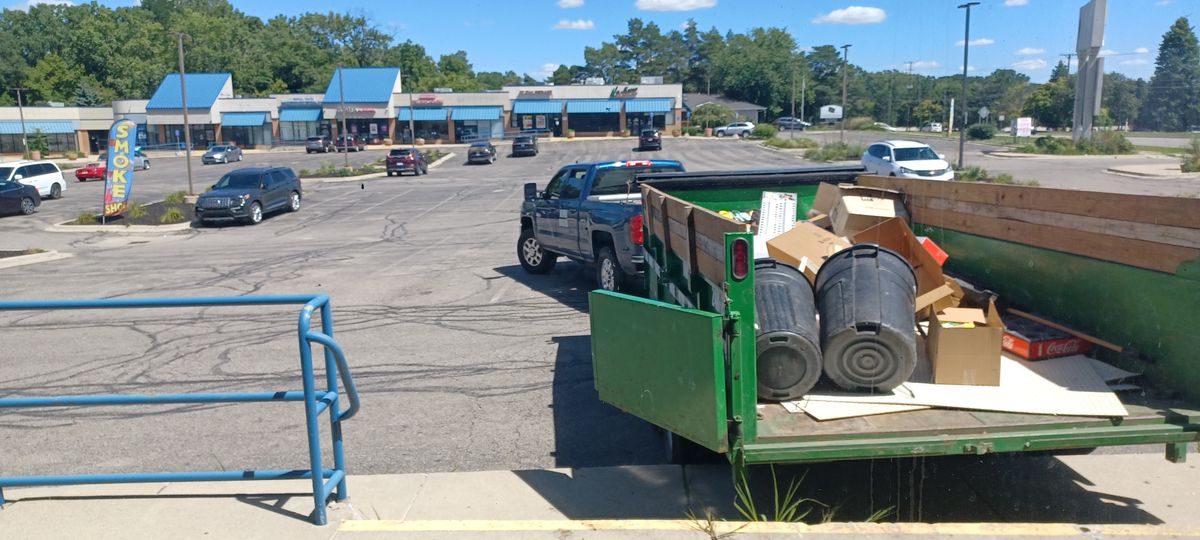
x=247 y=136
x=595 y=122
x=58 y=142
x=299 y=131
x=475 y=130
x=203 y=135
x=373 y=130
x=538 y=122
x=639 y=121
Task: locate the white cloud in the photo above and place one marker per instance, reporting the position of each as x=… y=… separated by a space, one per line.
x=578 y=24
x=1035 y=63
x=1141 y=50
x=568 y=4
x=1135 y=62
x=1108 y=52
x=546 y=71
x=675 y=5
x=1030 y=51
x=977 y=42
x=970 y=68
x=925 y=65
x=1011 y=3
x=852 y=15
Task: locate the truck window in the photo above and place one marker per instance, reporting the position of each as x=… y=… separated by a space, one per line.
x=555 y=185
x=573 y=184
x=613 y=181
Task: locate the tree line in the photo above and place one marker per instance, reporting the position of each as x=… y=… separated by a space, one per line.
x=90 y=54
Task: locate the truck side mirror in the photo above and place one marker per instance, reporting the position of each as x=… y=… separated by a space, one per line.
x=530 y=191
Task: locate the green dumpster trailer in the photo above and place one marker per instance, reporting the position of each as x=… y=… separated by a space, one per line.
x=684 y=358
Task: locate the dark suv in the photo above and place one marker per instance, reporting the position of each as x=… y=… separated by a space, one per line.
x=402 y=160
x=246 y=194
x=650 y=139
x=318 y=144
x=525 y=145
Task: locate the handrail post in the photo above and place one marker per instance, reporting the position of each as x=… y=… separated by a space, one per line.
x=310 y=417
x=335 y=409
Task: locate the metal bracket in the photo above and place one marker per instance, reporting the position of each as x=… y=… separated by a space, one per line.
x=979 y=449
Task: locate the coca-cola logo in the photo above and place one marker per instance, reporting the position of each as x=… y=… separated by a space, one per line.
x=1065 y=347
x=1008 y=342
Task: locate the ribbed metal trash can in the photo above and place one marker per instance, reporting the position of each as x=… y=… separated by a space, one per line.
x=789 y=358
x=866 y=295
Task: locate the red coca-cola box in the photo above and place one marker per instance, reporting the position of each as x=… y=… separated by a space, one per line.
x=1035 y=341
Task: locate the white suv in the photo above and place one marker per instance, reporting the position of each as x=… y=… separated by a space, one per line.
x=906 y=159
x=43 y=175
x=738 y=129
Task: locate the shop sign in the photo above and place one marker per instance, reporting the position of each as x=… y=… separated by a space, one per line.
x=374 y=129
x=527 y=122
x=534 y=94
x=118 y=178
x=623 y=93
x=358 y=110
x=541 y=121
x=427 y=100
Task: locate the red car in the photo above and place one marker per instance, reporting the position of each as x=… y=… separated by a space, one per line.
x=96 y=170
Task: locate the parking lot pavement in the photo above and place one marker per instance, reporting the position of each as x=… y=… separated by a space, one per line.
x=464 y=361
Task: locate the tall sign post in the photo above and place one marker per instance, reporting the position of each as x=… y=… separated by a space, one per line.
x=1090 y=78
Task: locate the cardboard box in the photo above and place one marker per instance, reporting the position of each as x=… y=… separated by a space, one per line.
x=806 y=247
x=938 y=254
x=1035 y=341
x=820 y=220
x=708 y=241
x=864 y=211
x=966 y=355
x=895 y=235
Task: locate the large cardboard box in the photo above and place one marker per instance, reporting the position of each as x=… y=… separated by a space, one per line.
x=966 y=355
x=806 y=247
x=708 y=241
x=895 y=235
x=854 y=208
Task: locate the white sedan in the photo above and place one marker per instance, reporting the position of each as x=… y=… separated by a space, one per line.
x=906 y=159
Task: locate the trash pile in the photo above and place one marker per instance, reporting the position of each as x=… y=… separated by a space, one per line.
x=856 y=317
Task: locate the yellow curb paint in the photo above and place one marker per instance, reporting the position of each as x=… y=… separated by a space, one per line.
x=722 y=527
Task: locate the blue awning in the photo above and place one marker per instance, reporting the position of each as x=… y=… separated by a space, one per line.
x=476 y=113
x=299 y=115
x=425 y=114
x=243 y=119
x=661 y=105
x=537 y=106
x=13 y=127
x=594 y=106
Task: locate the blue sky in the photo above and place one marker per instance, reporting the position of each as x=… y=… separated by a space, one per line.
x=533 y=36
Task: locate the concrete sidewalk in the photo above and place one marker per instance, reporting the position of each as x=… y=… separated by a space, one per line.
x=1115 y=495
x=1155 y=170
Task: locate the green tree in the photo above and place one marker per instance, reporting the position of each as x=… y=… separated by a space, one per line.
x=928 y=111
x=1052 y=104
x=53 y=79
x=1173 y=100
x=1123 y=97
x=711 y=115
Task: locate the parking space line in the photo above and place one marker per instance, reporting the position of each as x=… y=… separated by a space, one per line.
x=372 y=207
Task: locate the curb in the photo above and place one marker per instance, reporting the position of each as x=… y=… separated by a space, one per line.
x=335 y=180
x=442 y=160
x=1134 y=174
x=22 y=260
x=120 y=229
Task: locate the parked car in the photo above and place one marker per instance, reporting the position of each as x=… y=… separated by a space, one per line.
x=97 y=169
x=222 y=154
x=906 y=159
x=736 y=129
x=42 y=175
x=791 y=122
x=525 y=145
x=16 y=197
x=650 y=139
x=247 y=194
x=932 y=127
x=590 y=213
x=318 y=144
x=481 y=152
x=402 y=160
x=350 y=143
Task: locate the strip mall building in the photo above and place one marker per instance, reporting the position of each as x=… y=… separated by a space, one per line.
x=374 y=107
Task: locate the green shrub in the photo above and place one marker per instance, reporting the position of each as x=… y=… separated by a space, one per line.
x=304 y=173
x=1191 y=160
x=135 y=210
x=764 y=131
x=981 y=132
x=835 y=151
x=973 y=173
x=860 y=123
x=1002 y=178
x=693 y=131
x=86 y=218
x=1049 y=144
x=790 y=144
x=1106 y=143
x=172 y=215
x=177 y=197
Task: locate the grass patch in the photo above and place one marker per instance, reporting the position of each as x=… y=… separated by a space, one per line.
x=434 y=154
x=86 y=218
x=835 y=151
x=18 y=253
x=1104 y=143
x=979 y=174
x=304 y=173
x=329 y=170
x=178 y=197
x=787 y=505
x=173 y=215
x=158 y=213
x=791 y=144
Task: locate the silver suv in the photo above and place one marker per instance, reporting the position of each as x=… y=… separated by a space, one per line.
x=318 y=144
x=736 y=129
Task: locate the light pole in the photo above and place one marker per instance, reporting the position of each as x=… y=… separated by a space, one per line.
x=21 y=111
x=962 y=134
x=342 y=113
x=187 y=127
x=845 y=72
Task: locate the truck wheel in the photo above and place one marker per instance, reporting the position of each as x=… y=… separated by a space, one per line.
x=609 y=275
x=534 y=259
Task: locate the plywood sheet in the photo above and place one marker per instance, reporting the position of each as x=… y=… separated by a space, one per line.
x=833 y=410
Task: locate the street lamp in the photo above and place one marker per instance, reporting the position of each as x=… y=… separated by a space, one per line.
x=845 y=71
x=342 y=107
x=962 y=133
x=187 y=126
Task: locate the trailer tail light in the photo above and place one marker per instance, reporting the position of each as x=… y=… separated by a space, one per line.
x=636 y=234
x=741 y=258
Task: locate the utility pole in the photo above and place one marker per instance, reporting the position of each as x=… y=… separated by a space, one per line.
x=342 y=113
x=845 y=72
x=21 y=111
x=411 y=129
x=910 y=86
x=803 y=94
x=962 y=133
x=1069 y=56
x=792 y=132
x=187 y=126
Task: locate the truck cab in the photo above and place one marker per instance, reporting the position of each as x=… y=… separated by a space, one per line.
x=590 y=213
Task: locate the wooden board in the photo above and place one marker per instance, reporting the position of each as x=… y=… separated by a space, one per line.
x=709 y=239
x=1175 y=211
x=679 y=231
x=653 y=203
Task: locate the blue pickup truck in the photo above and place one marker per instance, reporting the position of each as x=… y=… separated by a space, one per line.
x=590 y=213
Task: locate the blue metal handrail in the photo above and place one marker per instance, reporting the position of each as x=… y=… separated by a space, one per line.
x=324 y=481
